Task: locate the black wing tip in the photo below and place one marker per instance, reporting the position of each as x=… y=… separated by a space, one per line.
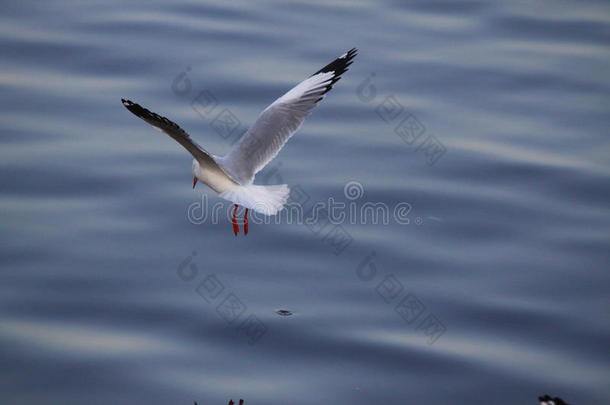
x=130 y=105
x=338 y=67
x=351 y=53
x=147 y=115
x=136 y=109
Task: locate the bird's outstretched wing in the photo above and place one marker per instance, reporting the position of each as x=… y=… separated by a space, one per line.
x=276 y=124
x=172 y=129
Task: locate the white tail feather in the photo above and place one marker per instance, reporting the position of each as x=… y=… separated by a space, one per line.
x=268 y=200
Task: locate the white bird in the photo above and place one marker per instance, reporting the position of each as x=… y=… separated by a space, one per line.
x=232 y=175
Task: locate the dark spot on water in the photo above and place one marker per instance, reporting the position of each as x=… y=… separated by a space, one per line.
x=284 y=312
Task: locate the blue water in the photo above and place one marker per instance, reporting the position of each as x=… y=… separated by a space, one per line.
x=496 y=291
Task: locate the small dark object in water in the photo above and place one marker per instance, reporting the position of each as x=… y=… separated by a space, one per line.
x=547 y=400
x=283 y=312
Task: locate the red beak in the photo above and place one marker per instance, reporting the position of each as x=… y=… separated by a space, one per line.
x=194 y=181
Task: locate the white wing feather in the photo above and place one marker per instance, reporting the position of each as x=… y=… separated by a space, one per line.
x=276 y=124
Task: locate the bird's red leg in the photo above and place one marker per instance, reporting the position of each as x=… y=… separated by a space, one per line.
x=246 y=222
x=234 y=220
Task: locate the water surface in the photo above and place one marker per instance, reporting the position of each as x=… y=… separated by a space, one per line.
x=506 y=247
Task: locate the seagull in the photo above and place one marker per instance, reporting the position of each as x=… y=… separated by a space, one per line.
x=232 y=175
